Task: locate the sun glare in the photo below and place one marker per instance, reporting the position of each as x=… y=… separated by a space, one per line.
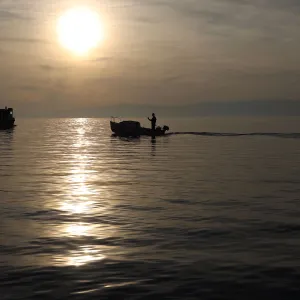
x=80 y=30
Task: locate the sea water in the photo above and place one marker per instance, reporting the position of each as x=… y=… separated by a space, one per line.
x=211 y=212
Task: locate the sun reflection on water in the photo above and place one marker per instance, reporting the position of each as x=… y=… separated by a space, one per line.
x=77 y=208
x=80 y=257
x=77 y=229
x=78 y=203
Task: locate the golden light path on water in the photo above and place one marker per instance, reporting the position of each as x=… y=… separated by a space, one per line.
x=78 y=203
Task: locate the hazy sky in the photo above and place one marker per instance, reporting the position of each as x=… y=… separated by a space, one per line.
x=155 y=51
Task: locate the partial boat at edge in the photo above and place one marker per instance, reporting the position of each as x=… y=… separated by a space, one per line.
x=7 y=119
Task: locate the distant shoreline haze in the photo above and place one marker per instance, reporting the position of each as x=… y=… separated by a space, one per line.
x=247 y=108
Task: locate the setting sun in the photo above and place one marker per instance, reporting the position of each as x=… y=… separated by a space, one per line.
x=80 y=30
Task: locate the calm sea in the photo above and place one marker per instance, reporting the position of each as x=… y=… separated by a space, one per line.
x=209 y=214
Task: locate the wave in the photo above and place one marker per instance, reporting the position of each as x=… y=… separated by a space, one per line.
x=222 y=134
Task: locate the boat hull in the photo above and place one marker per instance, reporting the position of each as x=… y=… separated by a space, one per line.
x=134 y=131
x=7 y=124
x=150 y=132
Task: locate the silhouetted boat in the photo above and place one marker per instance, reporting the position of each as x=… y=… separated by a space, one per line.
x=7 y=119
x=134 y=129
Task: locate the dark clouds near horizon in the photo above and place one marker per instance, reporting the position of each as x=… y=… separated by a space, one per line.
x=166 y=52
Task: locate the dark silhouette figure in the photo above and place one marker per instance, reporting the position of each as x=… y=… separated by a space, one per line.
x=153 y=122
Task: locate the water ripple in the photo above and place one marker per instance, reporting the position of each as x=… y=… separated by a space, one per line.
x=187 y=216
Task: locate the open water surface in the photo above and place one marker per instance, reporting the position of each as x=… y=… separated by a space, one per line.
x=209 y=214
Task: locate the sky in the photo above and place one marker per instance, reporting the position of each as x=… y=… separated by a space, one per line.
x=155 y=53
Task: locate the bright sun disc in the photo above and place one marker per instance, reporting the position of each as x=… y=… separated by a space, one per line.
x=80 y=30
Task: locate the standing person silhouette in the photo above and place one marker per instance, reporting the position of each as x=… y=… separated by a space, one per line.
x=153 y=122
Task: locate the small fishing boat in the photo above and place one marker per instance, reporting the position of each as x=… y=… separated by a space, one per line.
x=134 y=129
x=7 y=119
